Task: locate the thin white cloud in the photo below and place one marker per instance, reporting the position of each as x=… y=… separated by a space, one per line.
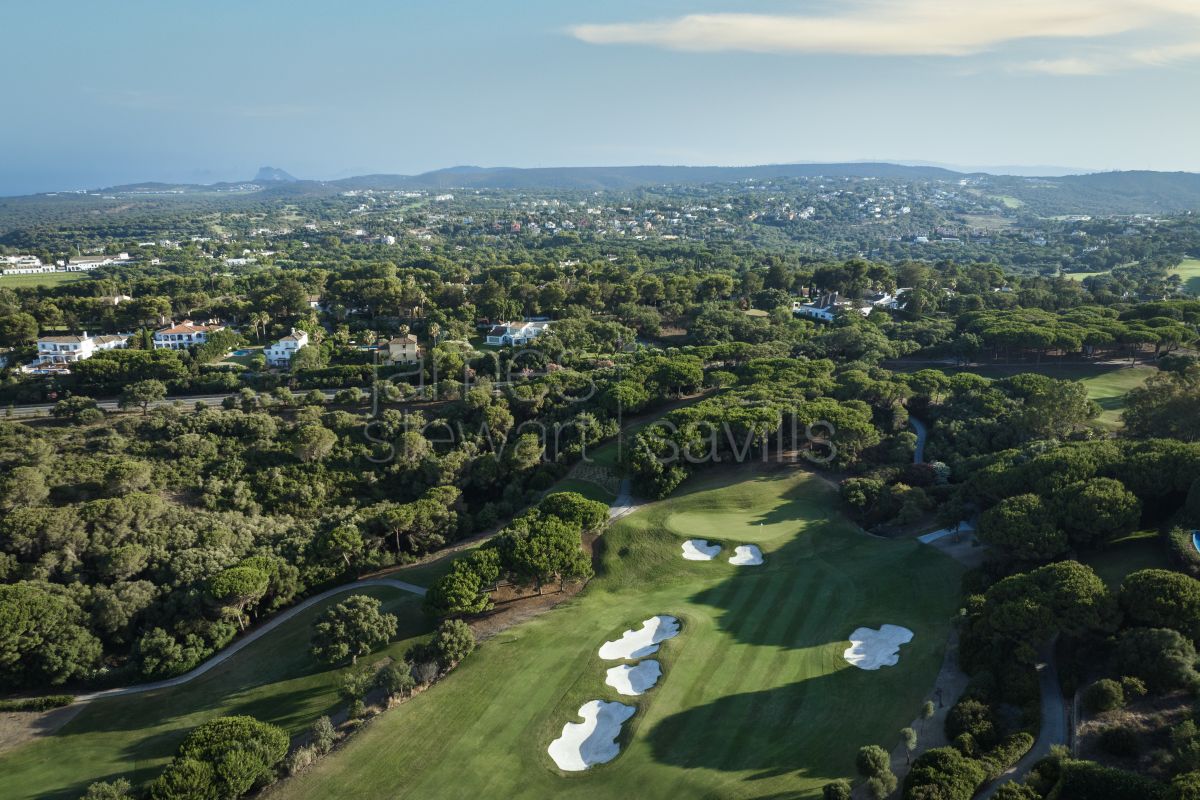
x=924 y=28
x=1065 y=66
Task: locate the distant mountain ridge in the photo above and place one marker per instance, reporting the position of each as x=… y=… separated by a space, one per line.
x=1129 y=192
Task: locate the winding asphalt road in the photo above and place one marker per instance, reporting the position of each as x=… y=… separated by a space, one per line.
x=248 y=639
x=43 y=409
x=624 y=504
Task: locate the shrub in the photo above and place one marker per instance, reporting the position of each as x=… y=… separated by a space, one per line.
x=120 y=789
x=1181 y=550
x=973 y=717
x=322 y=735
x=837 y=790
x=1186 y=786
x=1161 y=657
x=357 y=709
x=43 y=703
x=1120 y=740
x=453 y=642
x=881 y=786
x=1007 y=753
x=1133 y=687
x=301 y=759
x=1103 y=695
x=873 y=761
x=396 y=679
x=1084 y=780
x=946 y=772
x=225 y=757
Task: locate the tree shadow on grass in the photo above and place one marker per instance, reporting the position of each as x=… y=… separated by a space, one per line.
x=768 y=733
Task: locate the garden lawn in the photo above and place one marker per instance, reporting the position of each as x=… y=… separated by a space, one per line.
x=756 y=699
x=1141 y=550
x=273 y=679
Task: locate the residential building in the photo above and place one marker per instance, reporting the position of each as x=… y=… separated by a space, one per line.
x=89 y=263
x=403 y=350
x=516 y=333
x=23 y=265
x=185 y=334
x=55 y=353
x=826 y=308
x=280 y=354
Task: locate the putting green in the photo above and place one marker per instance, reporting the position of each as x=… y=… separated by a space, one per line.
x=755 y=700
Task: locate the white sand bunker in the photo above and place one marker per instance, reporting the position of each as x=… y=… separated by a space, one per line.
x=642 y=642
x=592 y=741
x=872 y=649
x=746 y=555
x=634 y=680
x=700 y=550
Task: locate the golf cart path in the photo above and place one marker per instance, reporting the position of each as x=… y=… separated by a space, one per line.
x=922 y=435
x=1054 y=723
x=248 y=639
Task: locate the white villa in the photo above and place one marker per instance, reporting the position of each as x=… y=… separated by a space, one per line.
x=185 y=334
x=55 y=353
x=516 y=333
x=89 y=263
x=280 y=354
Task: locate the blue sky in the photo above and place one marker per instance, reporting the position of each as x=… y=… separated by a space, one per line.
x=99 y=92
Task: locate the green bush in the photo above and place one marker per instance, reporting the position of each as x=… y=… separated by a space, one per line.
x=1103 y=695
x=837 y=790
x=1119 y=740
x=1083 y=780
x=43 y=703
x=945 y=773
x=1181 y=550
x=973 y=717
x=1007 y=753
x=873 y=761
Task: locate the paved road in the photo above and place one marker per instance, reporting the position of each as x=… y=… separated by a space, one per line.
x=624 y=503
x=43 y=409
x=248 y=639
x=1054 y=723
x=922 y=435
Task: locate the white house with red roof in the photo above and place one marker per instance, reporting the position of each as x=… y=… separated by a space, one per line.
x=185 y=334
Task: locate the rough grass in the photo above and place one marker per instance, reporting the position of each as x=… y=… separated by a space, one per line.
x=1189 y=271
x=756 y=699
x=1140 y=550
x=43 y=279
x=1107 y=384
x=273 y=679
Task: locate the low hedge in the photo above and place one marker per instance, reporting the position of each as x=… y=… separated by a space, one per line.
x=44 y=703
x=1005 y=754
x=1182 y=552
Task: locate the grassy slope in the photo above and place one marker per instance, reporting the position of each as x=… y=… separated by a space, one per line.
x=42 y=279
x=756 y=699
x=1189 y=271
x=273 y=679
x=1105 y=384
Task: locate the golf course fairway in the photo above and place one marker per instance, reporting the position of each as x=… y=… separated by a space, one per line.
x=755 y=699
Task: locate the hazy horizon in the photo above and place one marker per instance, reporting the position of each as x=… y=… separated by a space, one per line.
x=200 y=93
